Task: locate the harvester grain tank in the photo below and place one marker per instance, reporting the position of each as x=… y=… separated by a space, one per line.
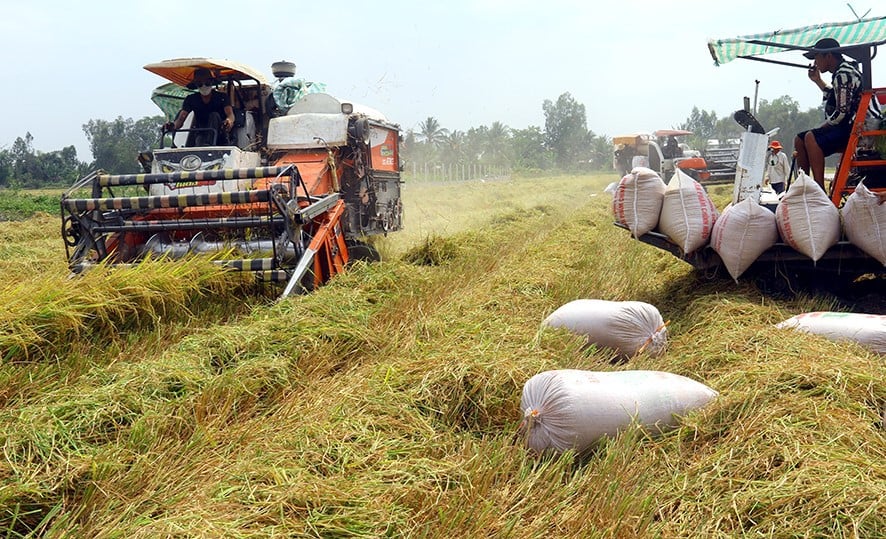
x=292 y=195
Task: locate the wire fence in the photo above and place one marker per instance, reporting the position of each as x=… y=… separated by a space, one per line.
x=449 y=172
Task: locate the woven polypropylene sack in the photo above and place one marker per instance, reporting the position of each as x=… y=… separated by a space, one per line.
x=864 y=222
x=628 y=327
x=807 y=220
x=741 y=234
x=573 y=409
x=636 y=202
x=687 y=213
x=868 y=330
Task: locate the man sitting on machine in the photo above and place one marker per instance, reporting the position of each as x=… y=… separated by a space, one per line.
x=209 y=107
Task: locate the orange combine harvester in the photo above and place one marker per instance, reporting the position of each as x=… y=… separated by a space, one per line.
x=292 y=195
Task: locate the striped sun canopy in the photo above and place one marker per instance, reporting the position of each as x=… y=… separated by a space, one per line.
x=870 y=32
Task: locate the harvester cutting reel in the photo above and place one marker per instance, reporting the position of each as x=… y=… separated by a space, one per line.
x=273 y=217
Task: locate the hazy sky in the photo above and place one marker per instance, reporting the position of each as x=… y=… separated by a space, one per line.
x=635 y=65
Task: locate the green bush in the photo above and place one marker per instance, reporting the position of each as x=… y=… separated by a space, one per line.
x=16 y=205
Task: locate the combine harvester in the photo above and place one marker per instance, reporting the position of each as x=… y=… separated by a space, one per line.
x=661 y=152
x=781 y=267
x=302 y=181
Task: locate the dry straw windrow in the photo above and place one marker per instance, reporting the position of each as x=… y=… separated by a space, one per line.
x=48 y=312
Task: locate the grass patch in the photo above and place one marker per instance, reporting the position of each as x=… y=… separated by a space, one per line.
x=17 y=204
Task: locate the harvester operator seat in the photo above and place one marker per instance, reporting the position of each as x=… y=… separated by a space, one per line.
x=671 y=149
x=243 y=133
x=190 y=136
x=182 y=137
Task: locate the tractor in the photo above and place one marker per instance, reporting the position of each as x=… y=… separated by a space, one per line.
x=292 y=194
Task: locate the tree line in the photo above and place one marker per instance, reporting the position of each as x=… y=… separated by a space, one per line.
x=564 y=143
x=783 y=112
x=114 y=145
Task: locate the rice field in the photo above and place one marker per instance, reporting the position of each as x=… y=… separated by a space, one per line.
x=175 y=400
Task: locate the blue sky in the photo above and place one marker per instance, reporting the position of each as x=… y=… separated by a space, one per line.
x=635 y=65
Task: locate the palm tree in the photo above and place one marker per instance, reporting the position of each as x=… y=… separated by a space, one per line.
x=498 y=142
x=431 y=132
x=453 y=147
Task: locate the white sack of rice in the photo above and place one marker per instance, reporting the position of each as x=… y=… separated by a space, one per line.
x=864 y=222
x=807 y=220
x=573 y=409
x=742 y=233
x=868 y=330
x=636 y=202
x=687 y=213
x=628 y=327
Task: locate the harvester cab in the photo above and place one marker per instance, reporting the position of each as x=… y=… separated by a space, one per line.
x=662 y=151
x=292 y=194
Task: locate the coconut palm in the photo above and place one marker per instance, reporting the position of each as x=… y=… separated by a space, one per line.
x=431 y=132
x=453 y=148
x=498 y=142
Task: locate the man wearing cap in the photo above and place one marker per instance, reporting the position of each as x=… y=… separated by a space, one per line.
x=840 y=100
x=778 y=167
x=209 y=107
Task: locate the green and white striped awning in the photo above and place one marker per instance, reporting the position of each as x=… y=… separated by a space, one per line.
x=860 y=32
x=169 y=98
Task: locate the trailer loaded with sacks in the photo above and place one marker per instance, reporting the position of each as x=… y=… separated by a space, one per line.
x=805 y=236
x=291 y=194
